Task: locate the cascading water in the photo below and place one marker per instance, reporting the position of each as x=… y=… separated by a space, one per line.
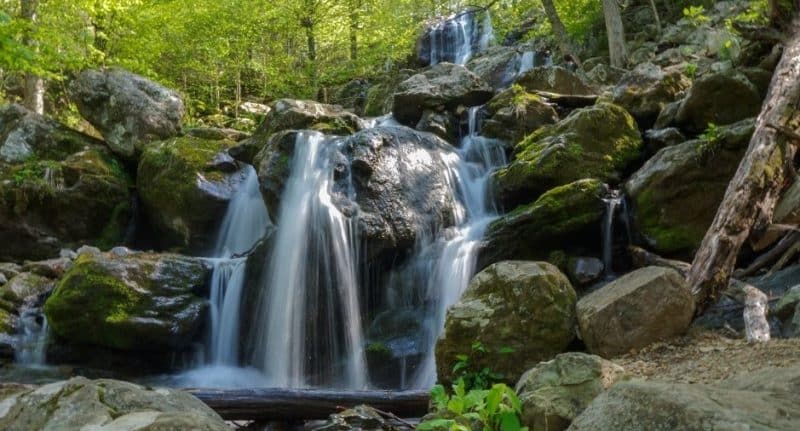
x=612 y=202
x=31 y=348
x=311 y=283
x=457 y=39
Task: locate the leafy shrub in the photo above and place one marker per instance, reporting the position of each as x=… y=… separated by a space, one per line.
x=495 y=409
x=477 y=378
x=695 y=15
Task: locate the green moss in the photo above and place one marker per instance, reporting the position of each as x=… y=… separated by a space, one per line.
x=666 y=236
x=114 y=232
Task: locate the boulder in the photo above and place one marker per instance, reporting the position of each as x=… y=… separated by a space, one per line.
x=600 y=142
x=352 y=96
x=657 y=139
x=604 y=74
x=441 y=87
x=647 y=90
x=675 y=195
x=568 y=214
x=142 y=301
x=217 y=134
x=521 y=312
x=361 y=417
x=765 y=400
x=385 y=167
x=555 y=392
x=788 y=311
x=185 y=185
x=129 y=110
x=47 y=205
x=647 y=305
x=441 y=124
x=554 y=79
x=514 y=113
x=80 y=403
x=381 y=93
x=583 y=271
x=23 y=289
x=718 y=98
x=26 y=135
x=290 y=114
x=498 y=65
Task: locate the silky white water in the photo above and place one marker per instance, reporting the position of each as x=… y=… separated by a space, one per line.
x=457 y=39
x=31 y=350
x=612 y=202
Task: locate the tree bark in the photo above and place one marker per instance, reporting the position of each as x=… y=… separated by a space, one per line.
x=751 y=196
x=355 y=24
x=616 y=33
x=290 y=404
x=560 y=32
x=34 y=85
x=655 y=15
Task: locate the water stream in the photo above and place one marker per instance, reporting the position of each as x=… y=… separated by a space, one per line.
x=457 y=39
x=31 y=348
x=612 y=203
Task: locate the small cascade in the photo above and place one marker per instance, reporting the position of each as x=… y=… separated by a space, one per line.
x=457 y=39
x=31 y=348
x=53 y=178
x=612 y=202
x=309 y=333
x=526 y=62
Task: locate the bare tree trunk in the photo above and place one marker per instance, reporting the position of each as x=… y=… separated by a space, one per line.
x=564 y=44
x=655 y=15
x=751 y=196
x=616 y=33
x=355 y=24
x=34 y=85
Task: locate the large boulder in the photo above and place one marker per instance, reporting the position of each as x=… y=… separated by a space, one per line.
x=290 y=114
x=26 y=135
x=498 y=65
x=441 y=87
x=675 y=195
x=648 y=305
x=765 y=400
x=185 y=185
x=83 y=404
x=23 y=289
x=555 y=392
x=718 y=98
x=554 y=79
x=47 y=205
x=133 y=301
x=564 y=215
x=386 y=166
x=514 y=113
x=600 y=142
x=129 y=110
x=521 y=312
x=647 y=90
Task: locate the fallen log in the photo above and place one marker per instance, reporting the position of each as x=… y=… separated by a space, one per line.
x=568 y=100
x=307 y=404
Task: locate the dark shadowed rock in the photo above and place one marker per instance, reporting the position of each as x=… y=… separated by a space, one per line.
x=719 y=98
x=647 y=90
x=514 y=113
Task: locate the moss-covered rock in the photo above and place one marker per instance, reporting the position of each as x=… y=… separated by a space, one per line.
x=47 y=205
x=514 y=113
x=380 y=94
x=718 y=98
x=647 y=90
x=185 y=184
x=521 y=312
x=554 y=79
x=675 y=195
x=569 y=214
x=139 y=301
x=600 y=141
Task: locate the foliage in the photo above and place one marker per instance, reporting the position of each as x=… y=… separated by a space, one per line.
x=477 y=378
x=709 y=141
x=690 y=69
x=495 y=409
x=695 y=15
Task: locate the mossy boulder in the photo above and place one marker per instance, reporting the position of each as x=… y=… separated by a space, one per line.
x=647 y=90
x=496 y=65
x=381 y=93
x=718 y=98
x=554 y=79
x=514 y=113
x=600 y=141
x=675 y=195
x=185 y=184
x=137 y=301
x=47 y=205
x=291 y=114
x=521 y=313
x=568 y=214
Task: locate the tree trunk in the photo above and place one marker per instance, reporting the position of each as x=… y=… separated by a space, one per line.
x=560 y=32
x=655 y=15
x=34 y=85
x=616 y=33
x=751 y=196
x=355 y=24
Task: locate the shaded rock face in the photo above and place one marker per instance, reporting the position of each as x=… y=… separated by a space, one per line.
x=140 y=301
x=648 y=305
x=185 y=184
x=764 y=400
x=647 y=90
x=399 y=179
x=47 y=205
x=441 y=87
x=528 y=307
x=675 y=195
x=128 y=110
x=554 y=79
x=25 y=135
x=788 y=311
x=719 y=98
x=555 y=392
x=290 y=114
x=514 y=113
x=600 y=142
x=564 y=215
x=80 y=403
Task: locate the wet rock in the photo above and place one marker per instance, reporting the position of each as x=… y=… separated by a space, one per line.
x=79 y=403
x=647 y=90
x=657 y=139
x=525 y=309
x=514 y=113
x=129 y=110
x=763 y=400
x=51 y=268
x=555 y=392
x=564 y=215
x=185 y=187
x=718 y=98
x=675 y=195
x=498 y=65
x=143 y=301
x=648 y=305
x=441 y=87
x=358 y=418
x=585 y=270
x=441 y=124
x=599 y=142
x=554 y=79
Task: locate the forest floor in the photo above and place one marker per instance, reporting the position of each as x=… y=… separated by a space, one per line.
x=704 y=356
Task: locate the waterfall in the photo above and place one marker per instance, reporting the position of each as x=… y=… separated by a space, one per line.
x=526 y=62
x=31 y=348
x=311 y=283
x=457 y=39
x=612 y=202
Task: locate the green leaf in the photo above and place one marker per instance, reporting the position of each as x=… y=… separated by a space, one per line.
x=435 y=424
